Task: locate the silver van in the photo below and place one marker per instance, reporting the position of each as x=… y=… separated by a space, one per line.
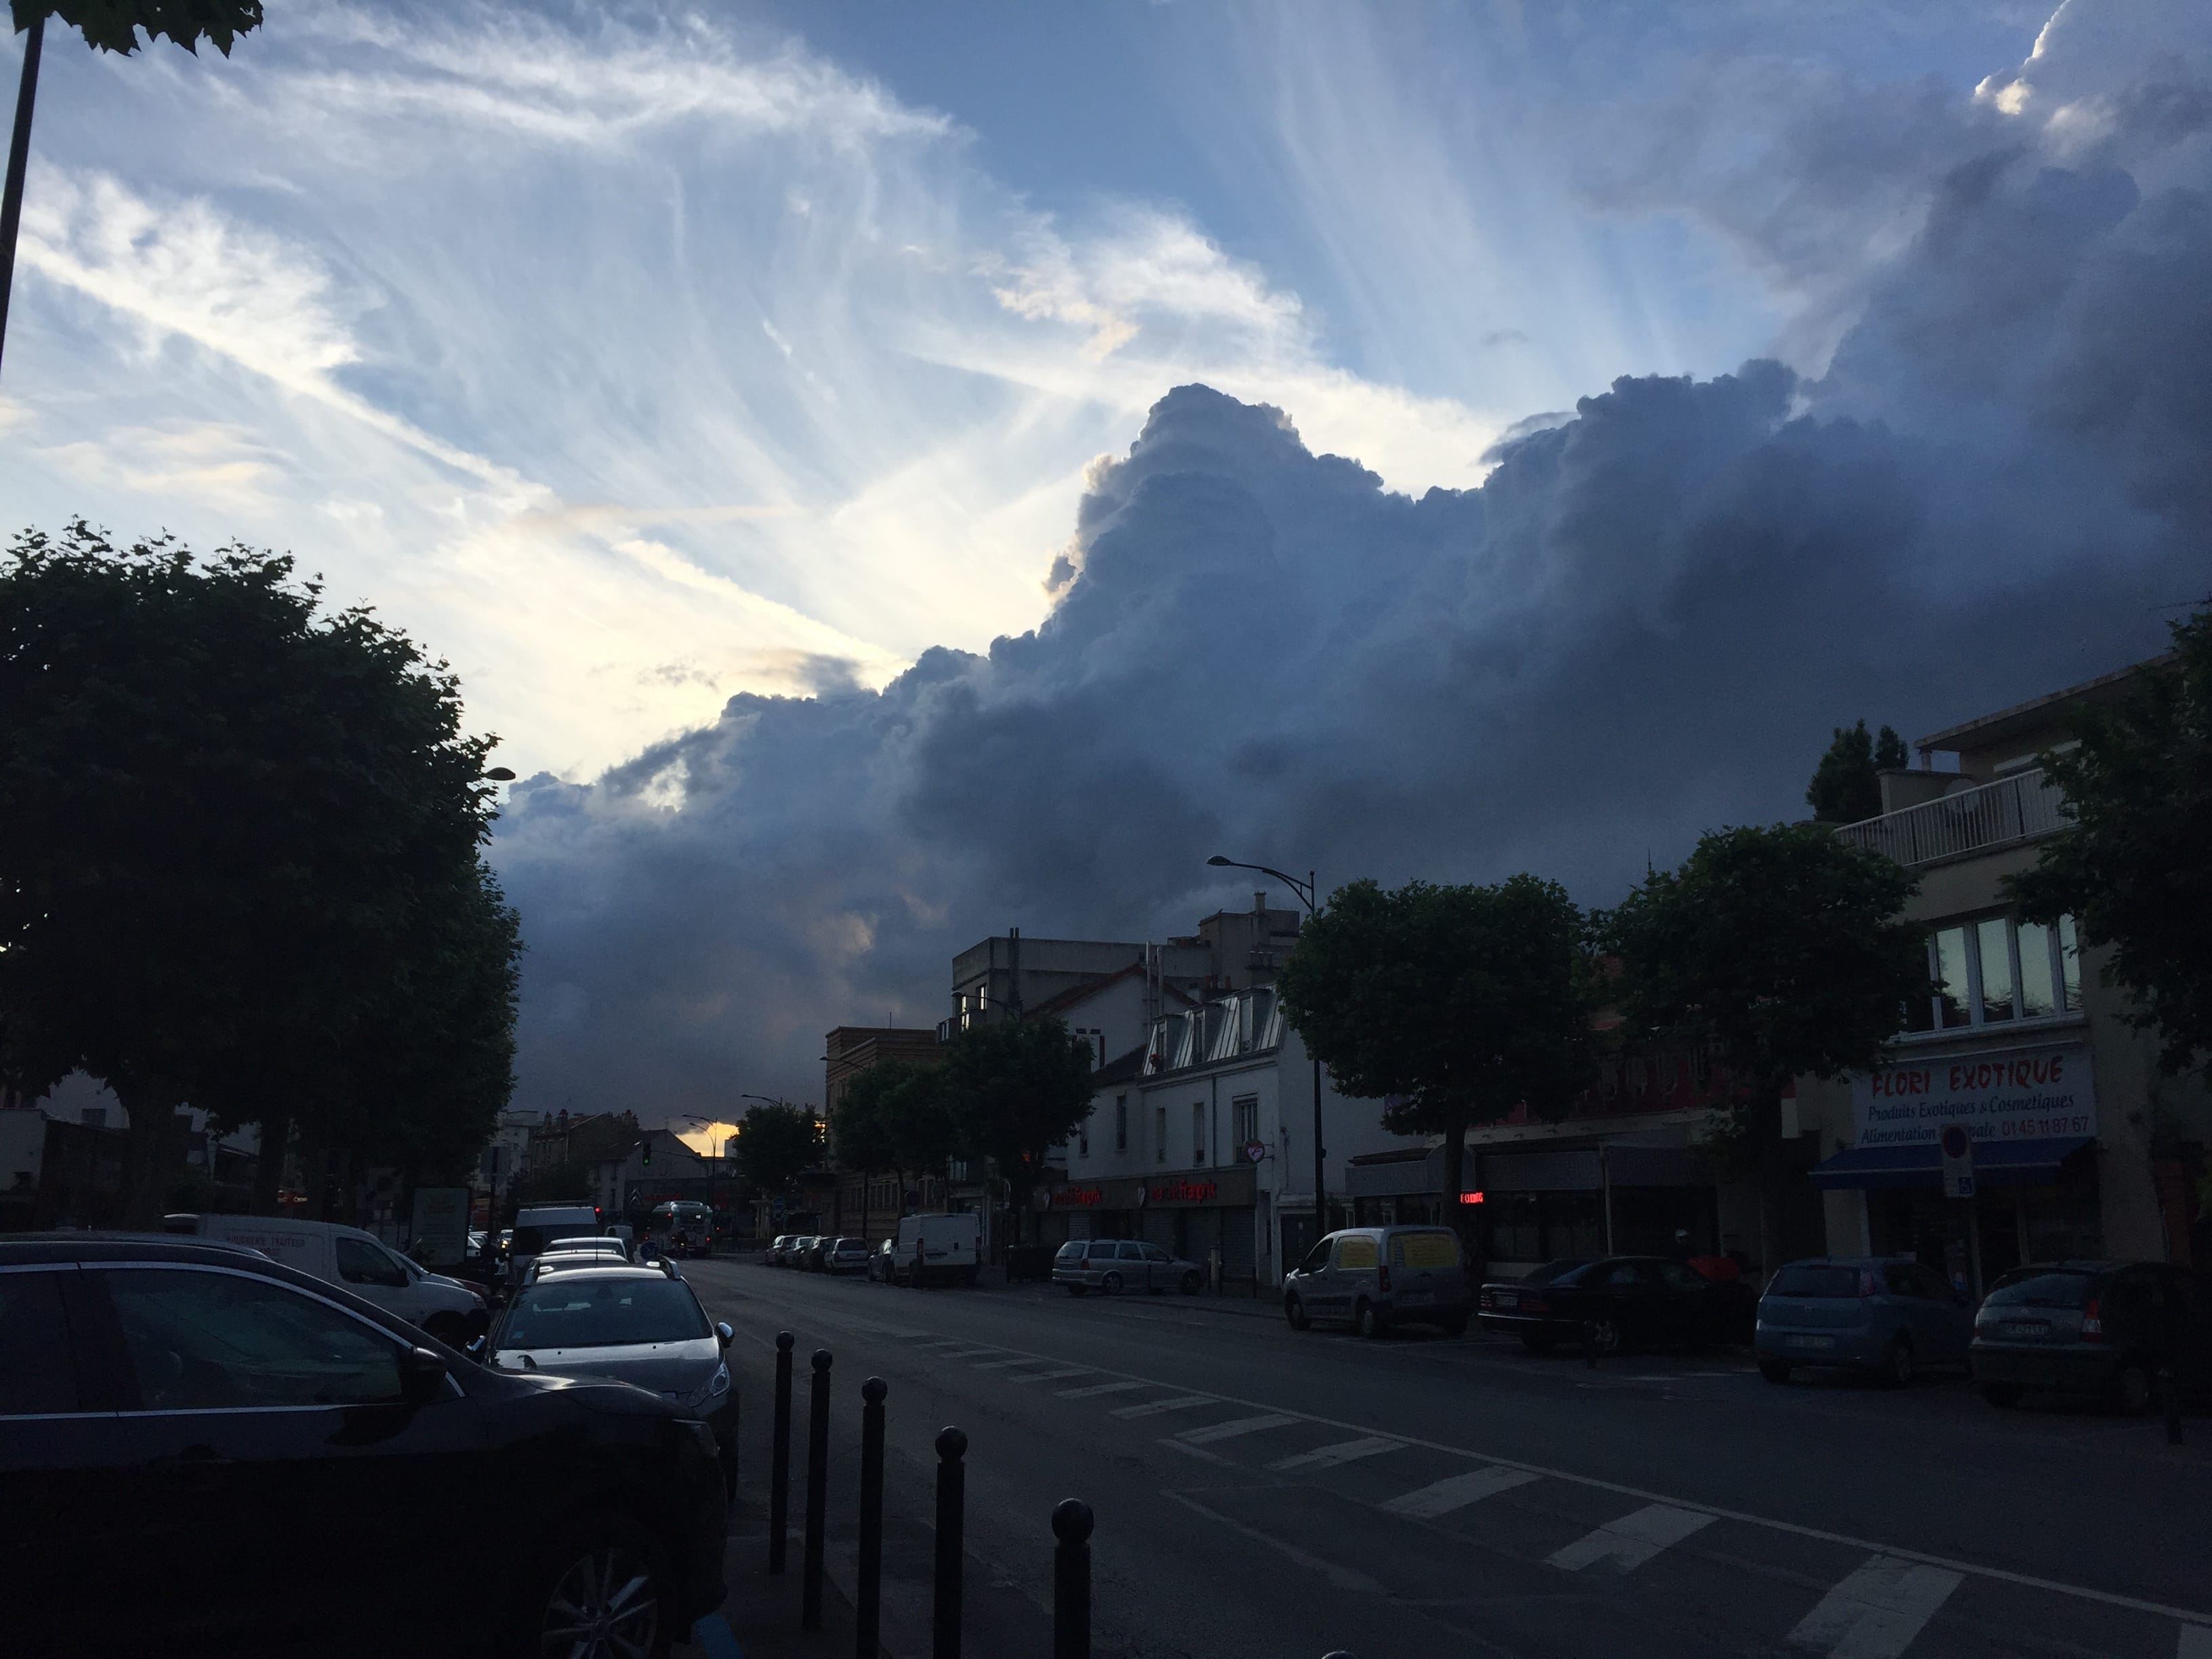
x=1373 y=1277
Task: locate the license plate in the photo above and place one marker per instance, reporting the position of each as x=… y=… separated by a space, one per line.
x=1416 y=1298
x=2029 y=1328
x=1812 y=1342
x=1507 y=1299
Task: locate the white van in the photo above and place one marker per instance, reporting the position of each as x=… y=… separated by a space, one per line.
x=938 y=1249
x=446 y=1307
x=536 y=1225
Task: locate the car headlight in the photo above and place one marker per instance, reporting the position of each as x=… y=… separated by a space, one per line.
x=717 y=1386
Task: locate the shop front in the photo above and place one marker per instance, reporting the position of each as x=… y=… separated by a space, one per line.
x=2030 y=1113
x=1189 y=1216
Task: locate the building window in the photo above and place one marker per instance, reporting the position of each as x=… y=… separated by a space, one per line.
x=1995 y=970
x=1244 y=1111
x=1198 y=1134
x=1159 y=1134
x=1121 y=1123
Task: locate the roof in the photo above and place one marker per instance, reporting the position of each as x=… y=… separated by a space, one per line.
x=2035 y=714
x=1128 y=1066
x=1075 y=994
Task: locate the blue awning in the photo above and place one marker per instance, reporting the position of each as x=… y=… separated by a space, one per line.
x=1996 y=1164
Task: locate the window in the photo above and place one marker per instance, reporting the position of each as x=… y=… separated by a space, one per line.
x=1316 y=1258
x=1244 y=1113
x=35 y=1350
x=1159 y=1134
x=361 y=1262
x=1121 y=1123
x=1996 y=969
x=1357 y=1252
x=1198 y=1134
x=1624 y=1275
x=205 y=1341
x=1678 y=1277
x=1153 y=1253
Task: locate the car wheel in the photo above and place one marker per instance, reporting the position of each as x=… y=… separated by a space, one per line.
x=1368 y=1321
x=1111 y=1284
x=1077 y=1290
x=1295 y=1311
x=2133 y=1391
x=1192 y=1283
x=2003 y=1395
x=1775 y=1371
x=1897 y=1366
x=598 y=1592
x=1603 y=1336
x=1536 y=1344
x=1455 y=1326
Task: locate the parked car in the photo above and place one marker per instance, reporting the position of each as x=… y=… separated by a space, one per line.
x=938 y=1249
x=1377 y=1277
x=1111 y=1266
x=536 y=1225
x=612 y=1250
x=884 y=1263
x=170 y=1397
x=626 y=1235
x=1881 y=1316
x=778 y=1254
x=448 y=1310
x=846 y=1255
x=2103 y=1329
x=801 y=1247
x=634 y=1324
x=1617 y=1301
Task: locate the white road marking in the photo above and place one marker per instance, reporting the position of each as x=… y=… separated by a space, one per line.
x=1096 y=1389
x=1876 y=1611
x=964 y=1353
x=1339 y=1577
x=1154 y=1407
x=1345 y=1451
x=1236 y=1426
x=1048 y=1376
x=2196 y=1642
x=1000 y=1365
x=1199 y=1452
x=1628 y=1543
x=1455 y=1493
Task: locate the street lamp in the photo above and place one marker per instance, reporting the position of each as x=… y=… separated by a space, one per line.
x=1308 y=893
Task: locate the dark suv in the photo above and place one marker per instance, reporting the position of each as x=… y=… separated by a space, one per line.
x=204 y=1451
x=2101 y=1328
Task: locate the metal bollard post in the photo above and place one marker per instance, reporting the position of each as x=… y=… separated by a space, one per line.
x=1071 y=1580
x=817 y=1495
x=952 y=1507
x=779 y=1478
x=867 y=1617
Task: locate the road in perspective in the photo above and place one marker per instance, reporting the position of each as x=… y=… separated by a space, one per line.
x=1263 y=1492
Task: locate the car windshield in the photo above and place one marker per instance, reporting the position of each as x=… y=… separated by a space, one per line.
x=2036 y=1288
x=533 y=1241
x=574 y=1311
x=1815 y=1282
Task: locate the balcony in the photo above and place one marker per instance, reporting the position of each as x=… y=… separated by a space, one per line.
x=2007 y=813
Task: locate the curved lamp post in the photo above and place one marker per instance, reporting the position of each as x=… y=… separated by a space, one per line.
x=1309 y=895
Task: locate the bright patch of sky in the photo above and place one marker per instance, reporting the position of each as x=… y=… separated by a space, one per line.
x=635 y=356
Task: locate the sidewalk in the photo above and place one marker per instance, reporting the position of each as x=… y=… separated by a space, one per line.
x=761 y=1619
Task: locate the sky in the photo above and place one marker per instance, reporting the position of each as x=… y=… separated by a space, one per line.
x=889 y=474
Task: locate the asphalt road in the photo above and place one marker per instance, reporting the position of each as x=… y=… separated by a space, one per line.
x=1261 y=1491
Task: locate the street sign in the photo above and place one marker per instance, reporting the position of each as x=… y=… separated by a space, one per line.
x=1255 y=1151
x=1957 y=1147
x=441 y=1224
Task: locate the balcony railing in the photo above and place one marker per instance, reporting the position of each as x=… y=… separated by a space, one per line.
x=2022 y=808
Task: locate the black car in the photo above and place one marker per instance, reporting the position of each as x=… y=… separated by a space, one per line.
x=2104 y=1329
x=1617 y=1301
x=206 y=1452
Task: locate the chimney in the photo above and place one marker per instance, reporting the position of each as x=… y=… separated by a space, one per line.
x=1259 y=903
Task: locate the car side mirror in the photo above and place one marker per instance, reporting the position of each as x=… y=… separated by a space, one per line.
x=421 y=1375
x=724 y=1335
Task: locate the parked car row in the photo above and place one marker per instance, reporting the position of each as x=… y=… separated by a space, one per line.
x=1111 y=1266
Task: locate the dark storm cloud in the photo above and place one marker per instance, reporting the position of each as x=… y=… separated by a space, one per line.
x=1643 y=625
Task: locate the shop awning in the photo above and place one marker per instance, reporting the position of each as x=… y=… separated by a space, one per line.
x=1996 y=1164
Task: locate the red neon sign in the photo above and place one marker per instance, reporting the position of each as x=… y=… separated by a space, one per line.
x=1470 y=1198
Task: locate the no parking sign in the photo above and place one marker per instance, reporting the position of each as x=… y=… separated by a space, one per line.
x=1958 y=1149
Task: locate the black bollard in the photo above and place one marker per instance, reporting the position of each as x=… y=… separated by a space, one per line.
x=1071 y=1580
x=2169 y=1399
x=867 y=1617
x=952 y=1509
x=818 y=1494
x=779 y=1478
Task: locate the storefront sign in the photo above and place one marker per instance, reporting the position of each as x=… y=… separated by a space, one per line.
x=1073 y=1198
x=2012 y=1094
x=1172 y=1189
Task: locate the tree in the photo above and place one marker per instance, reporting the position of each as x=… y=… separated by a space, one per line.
x=1462 y=1003
x=108 y=26
x=241 y=857
x=2134 y=867
x=1013 y=1090
x=1845 y=786
x=775 y=1145
x=1785 y=951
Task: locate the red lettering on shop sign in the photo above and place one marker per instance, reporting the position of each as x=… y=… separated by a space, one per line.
x=2007 y=1073
x=1073 y=1195
x=1901 y=1083
x=1182 y=1192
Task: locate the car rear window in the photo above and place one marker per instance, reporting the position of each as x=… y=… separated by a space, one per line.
x=1357 y=1252
x=1819 y=1282
x=1557 y=1272
x=1073 y=1249
x=2031 y=1288
x=533 y=1241
x=851 y=1245
x=1435 y=1249
x=35 y=1376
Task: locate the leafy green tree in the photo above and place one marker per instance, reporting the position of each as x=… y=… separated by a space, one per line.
x=2134 y=867
x=1462 y=1003
x=1013 y=1090
x=1784 y=952
x=108 y=26
x=776 y=1144
x=241 y=857
x=1845 y=786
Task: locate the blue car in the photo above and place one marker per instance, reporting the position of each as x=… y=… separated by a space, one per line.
x=1886 y=1317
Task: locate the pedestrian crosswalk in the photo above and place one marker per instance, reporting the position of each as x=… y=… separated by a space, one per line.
x=1837 y=1600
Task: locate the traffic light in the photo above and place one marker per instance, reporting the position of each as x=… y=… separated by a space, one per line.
x=645 y=1153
